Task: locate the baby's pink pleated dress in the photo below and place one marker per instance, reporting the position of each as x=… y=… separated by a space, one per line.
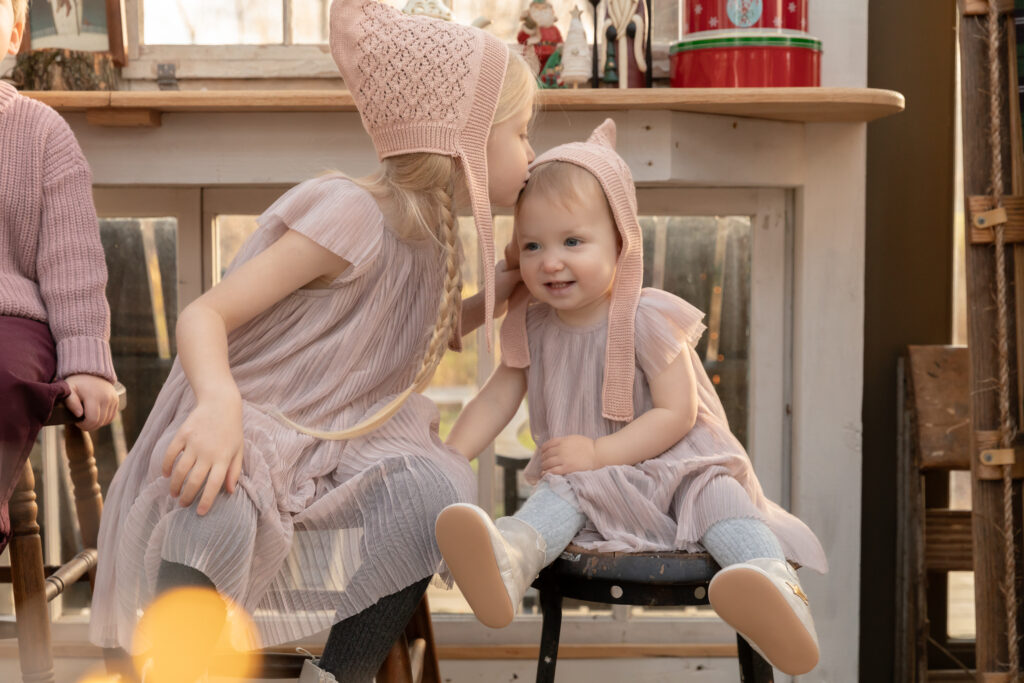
x=339 y=524
x=649 y=506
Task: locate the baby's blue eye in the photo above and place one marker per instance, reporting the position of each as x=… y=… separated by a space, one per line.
x=572 y=242
x=531 y=246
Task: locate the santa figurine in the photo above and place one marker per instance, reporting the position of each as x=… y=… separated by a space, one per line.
x=539 y=31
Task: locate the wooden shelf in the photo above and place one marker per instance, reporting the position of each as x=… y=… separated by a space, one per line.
x=810 y=105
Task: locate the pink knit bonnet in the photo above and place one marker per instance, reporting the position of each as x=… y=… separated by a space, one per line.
x=597 y=155
x=424 y=85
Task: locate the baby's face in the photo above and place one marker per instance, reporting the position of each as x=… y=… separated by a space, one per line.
x=10 y=32
x=567 y=255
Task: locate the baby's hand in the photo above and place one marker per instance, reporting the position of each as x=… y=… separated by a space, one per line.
x=505 y=280
x=206 y=448
x=568 y=454
x=93 y=400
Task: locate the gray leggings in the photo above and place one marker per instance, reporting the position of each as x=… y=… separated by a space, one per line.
x=729 y=541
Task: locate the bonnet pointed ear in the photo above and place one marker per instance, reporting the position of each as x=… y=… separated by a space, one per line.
x=604 y=134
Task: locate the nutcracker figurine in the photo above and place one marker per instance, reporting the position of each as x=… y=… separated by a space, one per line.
x=626 y=35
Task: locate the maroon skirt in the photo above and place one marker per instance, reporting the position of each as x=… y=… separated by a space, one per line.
x=28 y=392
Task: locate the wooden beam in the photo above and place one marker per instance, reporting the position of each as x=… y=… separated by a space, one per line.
x=947 y=542
x=124 y=118
x=938 y=377
x=987 y=499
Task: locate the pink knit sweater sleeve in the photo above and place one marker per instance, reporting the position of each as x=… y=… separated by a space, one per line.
x=72 y=272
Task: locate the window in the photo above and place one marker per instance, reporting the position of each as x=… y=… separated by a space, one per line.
x=218 y=39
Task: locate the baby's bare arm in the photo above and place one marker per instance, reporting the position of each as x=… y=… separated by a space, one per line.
x=488 y=412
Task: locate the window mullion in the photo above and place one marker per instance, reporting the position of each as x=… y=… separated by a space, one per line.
x=286 y=24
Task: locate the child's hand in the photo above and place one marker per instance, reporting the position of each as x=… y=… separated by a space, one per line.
x=505 y=280
x=93 y=400
x=206 y=448
x=568 y=454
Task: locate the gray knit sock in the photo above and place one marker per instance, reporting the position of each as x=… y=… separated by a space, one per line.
x=731 y=541
x=555 y=519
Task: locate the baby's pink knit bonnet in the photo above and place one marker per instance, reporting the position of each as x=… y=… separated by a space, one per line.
x=597 y=155
x=424 y=85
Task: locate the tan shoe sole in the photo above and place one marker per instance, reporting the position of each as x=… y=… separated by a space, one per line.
x=465 y=543
x=749 y=602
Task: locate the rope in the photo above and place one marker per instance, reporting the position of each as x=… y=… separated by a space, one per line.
x=1006 y=427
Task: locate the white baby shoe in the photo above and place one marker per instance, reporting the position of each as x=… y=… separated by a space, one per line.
x=311 y=673
x=763 y=601
x=492 y=562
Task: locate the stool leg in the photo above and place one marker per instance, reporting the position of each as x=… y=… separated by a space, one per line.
x=28 y=581
x=88 y=499
x=420 y=626
x=551 y=605
x=397 y=667
x=753 y=667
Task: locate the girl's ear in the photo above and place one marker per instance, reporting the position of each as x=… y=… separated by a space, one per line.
x=17 y=33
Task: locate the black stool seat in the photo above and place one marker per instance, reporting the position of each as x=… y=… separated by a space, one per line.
x=647 y=579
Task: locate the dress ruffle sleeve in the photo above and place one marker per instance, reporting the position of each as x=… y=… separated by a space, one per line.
x=665 y=325
x=335 y=213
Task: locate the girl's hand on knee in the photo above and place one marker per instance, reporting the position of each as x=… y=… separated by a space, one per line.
x=568 y=454
x=207 y=448
x=93 y=400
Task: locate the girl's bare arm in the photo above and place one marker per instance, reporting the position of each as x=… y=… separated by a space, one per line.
x=208 y=446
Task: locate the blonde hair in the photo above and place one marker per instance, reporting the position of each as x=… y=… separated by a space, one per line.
x=421 y=189
x=563 y=182
x=20 y=10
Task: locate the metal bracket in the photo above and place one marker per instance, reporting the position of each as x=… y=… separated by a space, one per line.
x=166 y=77
x=998 y=456
x=990 y=218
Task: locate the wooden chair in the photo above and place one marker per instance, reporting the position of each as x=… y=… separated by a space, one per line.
x=648 y=579
x=35 y=585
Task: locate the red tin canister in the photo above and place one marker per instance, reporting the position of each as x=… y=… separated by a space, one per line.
x=746 y=59
x=720 y=15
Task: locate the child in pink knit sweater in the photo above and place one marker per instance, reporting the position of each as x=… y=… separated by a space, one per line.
x=54 y=319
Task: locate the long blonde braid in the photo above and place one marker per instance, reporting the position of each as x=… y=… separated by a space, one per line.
x=444 y=325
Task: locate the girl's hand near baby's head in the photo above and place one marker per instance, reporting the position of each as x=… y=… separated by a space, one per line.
x=206 y=448
x=568 y=454
x=505 y=280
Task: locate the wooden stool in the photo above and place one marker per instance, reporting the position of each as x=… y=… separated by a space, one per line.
x=33 y=589
x=648 y=579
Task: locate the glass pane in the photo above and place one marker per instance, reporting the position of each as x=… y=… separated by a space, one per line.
x=229 y=234
x=959 y=490
x=706 y=261
x=213 y=22
x=142 y=266
x=310 y=21
x=960 y=618
x=504 y=15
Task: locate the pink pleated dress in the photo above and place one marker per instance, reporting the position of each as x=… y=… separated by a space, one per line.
x=317 y=530
x=650 y=506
